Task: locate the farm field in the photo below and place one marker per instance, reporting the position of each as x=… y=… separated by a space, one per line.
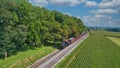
x=97 y=51
x=114 y=39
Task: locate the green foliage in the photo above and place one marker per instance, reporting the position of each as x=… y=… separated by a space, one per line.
x=7 y=21
x=23 y=26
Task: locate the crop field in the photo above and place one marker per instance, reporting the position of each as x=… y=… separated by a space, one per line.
x=97 y=51
x=114 y=39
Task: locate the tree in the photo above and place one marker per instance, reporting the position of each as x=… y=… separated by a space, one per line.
x=7 y=19
x=56 y=32
x=23 y=25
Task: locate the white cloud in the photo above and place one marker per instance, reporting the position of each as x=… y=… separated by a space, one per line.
x=78 y=17
x=107 y=0
x=43 y=3
x=65 y=2
x=109 y=4
x=67 y=14
x=40 y=3
x=118 y=9
x=117 y=21
x=99 y=16
x=101 y=21
x=91 y=4
x=104 y=11
x=102 y=16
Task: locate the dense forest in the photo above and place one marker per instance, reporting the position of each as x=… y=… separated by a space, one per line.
x=23 y=25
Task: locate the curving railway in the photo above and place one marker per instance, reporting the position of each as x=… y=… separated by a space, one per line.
x=52 y=59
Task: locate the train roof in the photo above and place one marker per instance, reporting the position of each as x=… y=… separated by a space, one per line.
x=70 y=38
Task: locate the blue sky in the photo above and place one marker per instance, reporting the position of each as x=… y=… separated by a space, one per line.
x=96 y=13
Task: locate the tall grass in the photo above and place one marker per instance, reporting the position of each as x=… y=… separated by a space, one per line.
x=25 y=58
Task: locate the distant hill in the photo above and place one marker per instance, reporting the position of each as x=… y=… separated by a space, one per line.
x=114 y=29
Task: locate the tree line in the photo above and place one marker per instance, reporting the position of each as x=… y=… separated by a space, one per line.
x=23 y=25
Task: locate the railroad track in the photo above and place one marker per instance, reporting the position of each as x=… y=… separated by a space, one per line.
x=52 y=59
x=39 y=62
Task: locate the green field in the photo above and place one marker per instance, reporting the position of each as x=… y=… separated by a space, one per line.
x=115 y=39
x=25 y=58
x=97 y=51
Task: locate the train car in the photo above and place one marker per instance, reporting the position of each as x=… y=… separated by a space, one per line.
x=71 y=40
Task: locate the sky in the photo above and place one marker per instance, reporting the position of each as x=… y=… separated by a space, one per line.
x=94 y=13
